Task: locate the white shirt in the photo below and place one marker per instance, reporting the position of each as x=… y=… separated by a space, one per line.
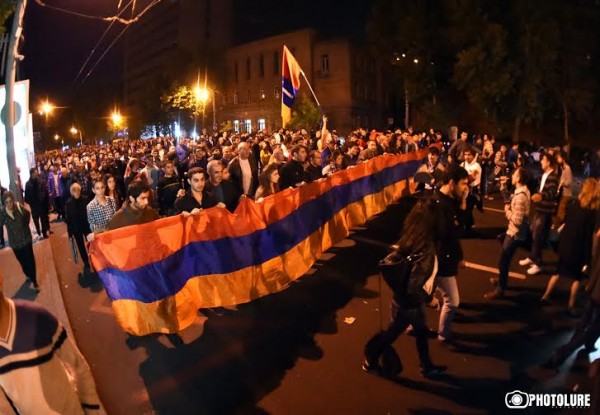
x=246 y=175
x=543 y=182
x=471 y=168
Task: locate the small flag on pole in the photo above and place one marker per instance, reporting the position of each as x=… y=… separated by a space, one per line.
x=290 y=83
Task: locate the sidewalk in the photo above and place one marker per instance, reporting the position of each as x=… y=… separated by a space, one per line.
x=16 y=287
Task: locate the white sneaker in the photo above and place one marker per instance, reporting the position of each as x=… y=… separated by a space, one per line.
x=533 y=270
x=525 y=262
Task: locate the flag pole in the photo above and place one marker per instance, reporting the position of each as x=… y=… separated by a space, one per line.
x=313 y=92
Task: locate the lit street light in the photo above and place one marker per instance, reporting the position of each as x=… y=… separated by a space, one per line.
x=62 y=141
x=75 y=131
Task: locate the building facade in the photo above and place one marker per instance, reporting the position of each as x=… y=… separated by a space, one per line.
x=171 y=35
x=342 y=75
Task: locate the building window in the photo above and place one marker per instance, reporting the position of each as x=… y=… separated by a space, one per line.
x=249 y=96
x=262 y=124
x=248 y=63
x=261 y=66
x=248 y=126
x=276 y=93
x=276 y=63
x=357 y=90
x=261 y=94
x=236 y=126
x=235 y=98
x=224 y=97
x=325 y=63
x=235 y=71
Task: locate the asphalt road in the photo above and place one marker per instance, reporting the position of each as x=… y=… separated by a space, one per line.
x=300 y=351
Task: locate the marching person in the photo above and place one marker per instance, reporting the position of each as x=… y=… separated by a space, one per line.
x=16 y=219
x=408 y=308
x=474 y=199
x=77 y=223
x=100 y=210
x=452 y=200
x=517 y=214
x=575 y=243
x=545 y=204
x=197 y=198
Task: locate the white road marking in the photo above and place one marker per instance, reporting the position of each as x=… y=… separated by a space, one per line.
x=494 y=270
x=493 y=210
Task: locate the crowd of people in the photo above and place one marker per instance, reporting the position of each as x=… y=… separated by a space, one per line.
x=98 y=188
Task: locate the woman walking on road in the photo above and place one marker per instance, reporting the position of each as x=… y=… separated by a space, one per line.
x=16 y=219
x=575 y=244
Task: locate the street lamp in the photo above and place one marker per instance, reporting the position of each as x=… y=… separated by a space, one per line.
x=62 y=141
x=117 y=121
x=75 y=131
x=202 y=95
x=46 y=109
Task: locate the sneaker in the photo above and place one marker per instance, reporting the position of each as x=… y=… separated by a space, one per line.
x=432 y=371
x=494 y=281
x=492 y=295
x=369 y=367
x=534 y=270
x=544 y=302
x=525 y=262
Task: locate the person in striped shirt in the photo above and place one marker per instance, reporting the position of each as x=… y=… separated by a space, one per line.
x=517 y=214
x=41 y=370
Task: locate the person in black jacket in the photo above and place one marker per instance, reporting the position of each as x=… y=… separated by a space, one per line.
x=197 y=198
x=244 y=171
x=77 y=223
x=36 y=196
x=545 y=201
x=292 y=173
x=408 y=304
x=452 y=203
x=221 y=190
x=314 y=171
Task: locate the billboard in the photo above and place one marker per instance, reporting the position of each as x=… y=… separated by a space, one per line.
x=23 y=133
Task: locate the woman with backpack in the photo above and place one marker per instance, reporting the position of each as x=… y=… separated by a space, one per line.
x=413 y=286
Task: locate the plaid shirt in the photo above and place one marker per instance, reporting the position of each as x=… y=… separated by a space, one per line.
x=518 y=212
x=98 y=215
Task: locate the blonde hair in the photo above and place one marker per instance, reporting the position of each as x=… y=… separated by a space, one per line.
x=589 y=195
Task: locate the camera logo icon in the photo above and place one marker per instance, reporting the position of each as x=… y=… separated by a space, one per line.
x=516 y=400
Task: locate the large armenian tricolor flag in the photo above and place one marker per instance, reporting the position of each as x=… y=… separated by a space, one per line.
x=159 y=274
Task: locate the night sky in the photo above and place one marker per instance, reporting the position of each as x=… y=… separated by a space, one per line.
x=56 y=44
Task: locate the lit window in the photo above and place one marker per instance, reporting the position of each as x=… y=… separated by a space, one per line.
x=235 y=71
x=236 y=126
x=248 y=126
x=261 y=94
x=262 y=124
x=249 y=96
x=276 y=92
x=248 y=68
x=224 y=99
x=235 y=98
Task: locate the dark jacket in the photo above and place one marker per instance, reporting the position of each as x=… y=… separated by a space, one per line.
x=188 y=203
x=166 y=190
x=225 y=193
x=291 y=173
x=17 y=227
x=236 y=176
x=36 y=195
x=422 y=270
x=127 y=216
x=76 y=216
x=549 y=195
x=313 y=173
x=448 y=248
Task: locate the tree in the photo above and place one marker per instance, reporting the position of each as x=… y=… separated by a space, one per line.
x=305 y=114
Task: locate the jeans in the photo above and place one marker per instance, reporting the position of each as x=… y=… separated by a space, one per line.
x=401 y=318
x=451 y=300
x=509 y=246
x=539 y=232
x=27 y=260
x=40 y=216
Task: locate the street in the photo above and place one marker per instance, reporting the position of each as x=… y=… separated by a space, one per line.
x=300 y=351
